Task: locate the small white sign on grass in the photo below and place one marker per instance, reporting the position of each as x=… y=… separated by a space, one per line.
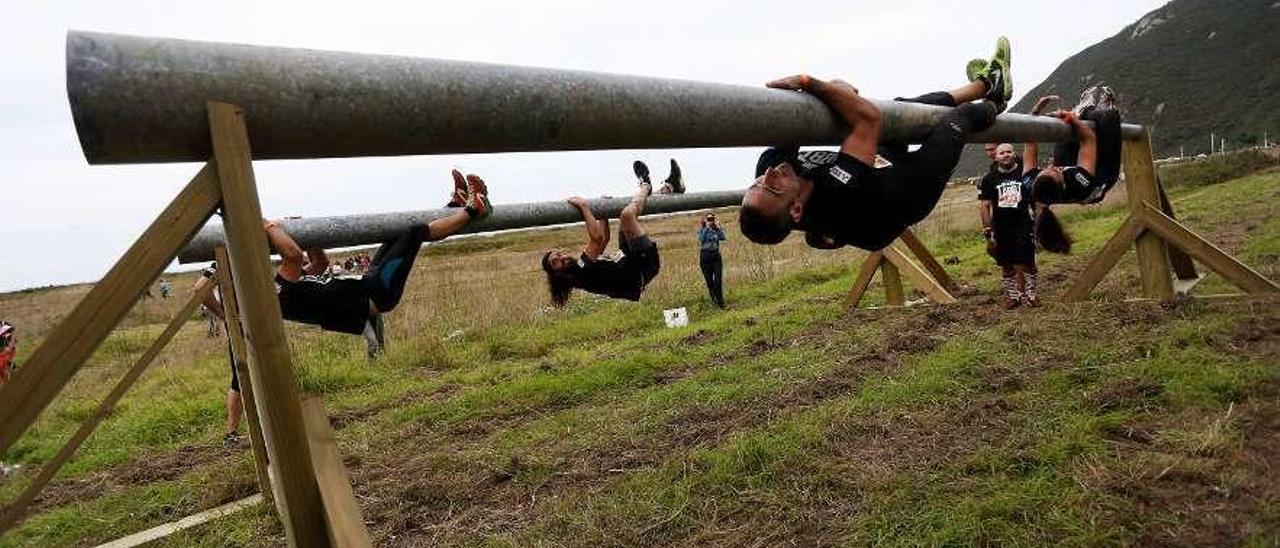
x=676 y=317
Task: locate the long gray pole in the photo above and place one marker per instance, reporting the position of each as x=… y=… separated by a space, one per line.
x=138 y=100
x=353 y=230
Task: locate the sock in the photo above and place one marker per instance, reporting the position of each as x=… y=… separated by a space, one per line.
x=1011 y=288
x=1030 y=290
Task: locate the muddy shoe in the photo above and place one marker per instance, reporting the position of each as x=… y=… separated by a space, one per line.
x=231 y=440
x=674 y=181
x=1009 y=304
x=642 y=172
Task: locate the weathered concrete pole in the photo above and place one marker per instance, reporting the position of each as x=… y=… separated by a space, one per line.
x=138 y=100
x=353 y=230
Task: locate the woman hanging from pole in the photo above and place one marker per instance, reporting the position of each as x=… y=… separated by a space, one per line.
x=355 y=304
x=619 y=277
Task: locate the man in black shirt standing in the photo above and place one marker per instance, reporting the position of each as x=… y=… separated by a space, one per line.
x=623 y=277
x=842 y=198
x=1007 y=227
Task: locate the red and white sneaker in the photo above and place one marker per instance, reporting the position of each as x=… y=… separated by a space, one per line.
x=477 y=203
x=459 y=196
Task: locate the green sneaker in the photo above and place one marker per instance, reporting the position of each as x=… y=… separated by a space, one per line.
x=999 y=73
x=975 y=68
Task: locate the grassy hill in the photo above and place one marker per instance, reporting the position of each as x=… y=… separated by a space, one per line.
x=494 y=420
x=1186 y=69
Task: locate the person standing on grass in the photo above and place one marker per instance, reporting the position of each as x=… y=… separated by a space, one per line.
x=1005 y=210
x=842 y=198
x=710 y=234
x=623 y=277
x=8 y=350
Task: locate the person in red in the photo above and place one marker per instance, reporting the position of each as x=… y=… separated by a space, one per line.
x=8 y=350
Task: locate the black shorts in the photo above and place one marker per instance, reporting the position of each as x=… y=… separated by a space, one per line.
x=1015 y=249
x=231 y=357
x=640 y=253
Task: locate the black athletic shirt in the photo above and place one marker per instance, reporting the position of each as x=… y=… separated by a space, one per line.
x=1008 y=192
x=1078 y=186
x=613 y=278
x=335 y=304
x=848 y=206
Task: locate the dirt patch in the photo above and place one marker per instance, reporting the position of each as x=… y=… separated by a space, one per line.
x=1128 y=393
x=697 y=337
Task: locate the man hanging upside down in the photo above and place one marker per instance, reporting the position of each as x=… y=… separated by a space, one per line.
x=623 y=277
x=354 y=304
x=842 y=198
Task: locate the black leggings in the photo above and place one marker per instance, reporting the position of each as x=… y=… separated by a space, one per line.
x=390 y=268
x=917 y=179
x=713 y=273
x=1107 y=128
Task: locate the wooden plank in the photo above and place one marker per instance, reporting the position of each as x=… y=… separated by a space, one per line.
x=240 y=357
x=1183 y=269
x=918 y=276
x=346 y=526
x=297 y=495
x=15 y=510
x=892 y=282
x=1104 y=260
x=1140 y=185
x=927 y=259
x=66 y=348
x=860 y=285
x=1217 y=260
x=161 y=531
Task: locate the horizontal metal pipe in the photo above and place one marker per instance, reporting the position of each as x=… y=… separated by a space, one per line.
x=138 y=100
x=353 y=230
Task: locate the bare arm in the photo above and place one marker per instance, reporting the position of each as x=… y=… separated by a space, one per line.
x=1088 y=158
x=1030 y=156
x=985 y=210
x=204 y=287
x=862 y=116
x=597 y=229
x=317 y=262
x=291 y=257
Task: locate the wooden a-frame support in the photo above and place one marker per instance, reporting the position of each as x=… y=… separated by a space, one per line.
x=1165 y=246
x=893 y=263
x=309 y=486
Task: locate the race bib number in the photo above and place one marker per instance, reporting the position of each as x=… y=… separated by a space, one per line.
x=1009 y=194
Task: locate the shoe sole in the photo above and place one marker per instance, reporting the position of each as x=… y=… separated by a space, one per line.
x=1004 y=55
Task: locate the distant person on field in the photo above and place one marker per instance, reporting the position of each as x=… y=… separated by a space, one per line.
x=843 y=198
x=619 y=277
x=1005 y=209
x=166 y=289
x=710 y=234
x=212 y=302
x=8 y=350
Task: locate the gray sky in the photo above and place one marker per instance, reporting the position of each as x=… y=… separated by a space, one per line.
x=63 y=221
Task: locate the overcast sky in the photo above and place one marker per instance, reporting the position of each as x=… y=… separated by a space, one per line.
x=63 y=221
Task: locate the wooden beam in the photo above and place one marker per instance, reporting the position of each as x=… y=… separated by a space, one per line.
x=918 y=276
x=1183 y=269
x=1104 y=260
x=865 y=274
x=927 y=259
x=297 y=496
x=240 y=360
x=1140 y=185
x=893 y=294
x=156 y=533
x=346 y=526
x=15 y=510
x=66 y=348
x=1217 y=260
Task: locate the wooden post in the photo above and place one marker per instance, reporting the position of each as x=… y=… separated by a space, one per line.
x=1218 y=261
x=865 y=274
x=927 y=260
x=1140 y=184
x=66 y=348
x=892 y=283
x=298 y=497
x=240 y=360
x=917 y=275
x=1105 y=260
x=346 y=526
x=15 y=509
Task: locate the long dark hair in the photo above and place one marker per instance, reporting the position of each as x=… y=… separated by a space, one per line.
x=560 y=283
x=1048 y=229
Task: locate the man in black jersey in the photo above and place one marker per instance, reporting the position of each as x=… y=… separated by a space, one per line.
x=842 y=198
x=623 y=277
x=1004 y=206
x=354 y=304
x=1082 y=172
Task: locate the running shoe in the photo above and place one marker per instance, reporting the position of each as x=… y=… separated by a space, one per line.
x=998 y=74
x=975 y=68
x=642 y=171
x=459 y=196
x=231 y=440
x=1089 y=98
x=477 y=198
x=675 y=181
x=373 y=336
x=1106 y=98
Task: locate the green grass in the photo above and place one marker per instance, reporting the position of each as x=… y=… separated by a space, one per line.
x=781 y=420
